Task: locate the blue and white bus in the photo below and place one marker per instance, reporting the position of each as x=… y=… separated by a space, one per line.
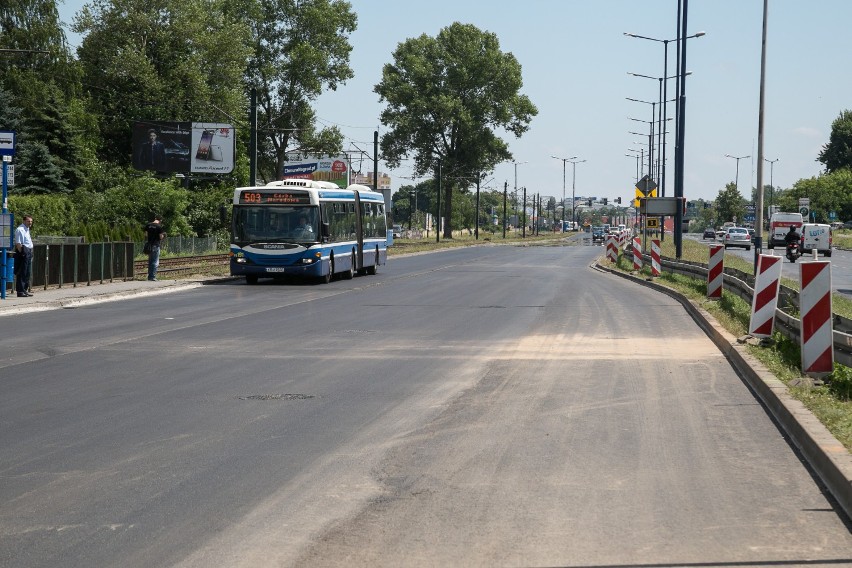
x=298 y=227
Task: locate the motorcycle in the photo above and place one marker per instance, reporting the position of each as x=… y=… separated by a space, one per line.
x=793 y=251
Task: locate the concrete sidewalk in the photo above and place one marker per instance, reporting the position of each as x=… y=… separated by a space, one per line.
x=67 y=296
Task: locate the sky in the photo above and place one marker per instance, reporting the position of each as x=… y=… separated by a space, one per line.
x=576 y=64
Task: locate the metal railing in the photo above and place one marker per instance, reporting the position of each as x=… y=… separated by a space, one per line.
x=741 y=284
x=81 y=263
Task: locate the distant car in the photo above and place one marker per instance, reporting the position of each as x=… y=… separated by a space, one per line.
x=397 y=231
x=709 y=233
x=720 y=234
x=847 y=225
x=598 y=234
x=737 y=237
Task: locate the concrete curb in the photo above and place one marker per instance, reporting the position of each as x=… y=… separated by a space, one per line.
x=827 y=457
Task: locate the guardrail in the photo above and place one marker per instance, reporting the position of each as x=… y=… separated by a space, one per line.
x=740 y=283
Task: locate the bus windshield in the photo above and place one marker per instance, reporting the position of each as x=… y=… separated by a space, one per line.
x=275 y=224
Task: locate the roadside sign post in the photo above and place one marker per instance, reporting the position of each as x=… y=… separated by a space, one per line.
x=7 y=150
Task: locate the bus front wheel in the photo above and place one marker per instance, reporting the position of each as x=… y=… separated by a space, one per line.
x=251 y=279
x=326 y=278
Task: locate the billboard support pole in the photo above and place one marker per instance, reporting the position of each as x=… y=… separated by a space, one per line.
x=253 y=139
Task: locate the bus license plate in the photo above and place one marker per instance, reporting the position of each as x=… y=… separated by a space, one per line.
x=276 y=269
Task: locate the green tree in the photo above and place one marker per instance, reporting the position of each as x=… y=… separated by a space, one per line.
x=730 y=205
x=301 y=49
x=37 y=171
x=445 y=96
x=837 y=153
x=827 y=192
x=160 y=60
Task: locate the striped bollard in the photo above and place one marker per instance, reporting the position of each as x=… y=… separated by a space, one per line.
x=637 y=254
x=715 y=271
x=655 y=257
x=611 y=249
x=765 y=298
x=817 y=333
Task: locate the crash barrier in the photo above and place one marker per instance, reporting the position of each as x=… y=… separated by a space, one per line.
x=765 y=301
x=714 y=274
x=815 y=300
x=740 y=284
x=81 y=263
x=655 y=257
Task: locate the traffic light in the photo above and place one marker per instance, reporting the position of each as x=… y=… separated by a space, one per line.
x=589 y=202
x=605 y=200
x=618 y=200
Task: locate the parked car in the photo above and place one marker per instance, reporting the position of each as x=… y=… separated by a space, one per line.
x=709 y=233
x=737 y=237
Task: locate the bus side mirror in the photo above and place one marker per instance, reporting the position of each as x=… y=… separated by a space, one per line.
x=326 y=232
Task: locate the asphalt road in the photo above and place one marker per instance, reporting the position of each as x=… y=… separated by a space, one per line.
x=488 y=406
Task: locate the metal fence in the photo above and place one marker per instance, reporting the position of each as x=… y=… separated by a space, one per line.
x=741 y=284
x=184 y=245
x=80 y=263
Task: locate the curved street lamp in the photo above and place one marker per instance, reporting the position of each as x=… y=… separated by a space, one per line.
x=564 y=160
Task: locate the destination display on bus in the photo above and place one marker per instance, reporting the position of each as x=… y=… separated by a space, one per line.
x=252 y=197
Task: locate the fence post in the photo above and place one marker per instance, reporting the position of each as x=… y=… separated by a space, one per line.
x=111 y=260
x=76 y=262
x=46 y=266
x=103 y=254
x=61 y=264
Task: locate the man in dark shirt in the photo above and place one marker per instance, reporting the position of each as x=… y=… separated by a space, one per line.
x=155 y=234
x=152 y=155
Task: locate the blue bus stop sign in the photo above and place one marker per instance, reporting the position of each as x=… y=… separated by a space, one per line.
x=7 y=143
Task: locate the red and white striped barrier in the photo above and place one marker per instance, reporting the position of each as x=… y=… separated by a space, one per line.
x=716 y=268
x=765 y=298
x=637 y=254
x=655 y=257
x=611 y=249
x=817 y=333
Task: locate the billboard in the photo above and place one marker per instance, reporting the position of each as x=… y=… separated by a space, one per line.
x=183 y=147
x=334 y=169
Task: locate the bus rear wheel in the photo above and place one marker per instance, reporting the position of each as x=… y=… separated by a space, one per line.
x=374 y=269
x=350 y=274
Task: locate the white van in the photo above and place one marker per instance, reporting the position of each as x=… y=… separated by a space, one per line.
x=816 y=236
x=779 y=225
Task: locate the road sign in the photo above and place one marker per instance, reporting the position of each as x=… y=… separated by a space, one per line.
x=804 y=202
x=646 y=185
x=7 y=143
x=804 y=211
x=10 y=175
x=652 y=222
x=640 y=195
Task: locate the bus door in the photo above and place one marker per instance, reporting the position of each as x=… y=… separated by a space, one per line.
x=359 y=230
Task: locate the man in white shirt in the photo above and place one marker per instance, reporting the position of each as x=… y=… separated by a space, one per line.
x=23 y=256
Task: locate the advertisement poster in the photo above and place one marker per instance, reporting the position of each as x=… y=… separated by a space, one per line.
x=333 y=169
x=212 y=148
x=183 y=147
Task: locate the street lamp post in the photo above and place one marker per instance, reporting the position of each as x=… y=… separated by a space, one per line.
x=771 y=183
x=664 y=85
x=574 y=163
x=737 y=158
x=516 y=187
x=564 y=160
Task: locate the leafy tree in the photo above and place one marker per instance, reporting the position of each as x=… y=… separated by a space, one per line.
x=828 y=192
x=445 y=96
x=37 y=171
x=52 y=214
x=160 y=60
x=301 y=48
x=729 y=204
x=837 y=153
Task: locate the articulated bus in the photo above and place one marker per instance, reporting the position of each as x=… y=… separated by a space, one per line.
x=308 y=228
